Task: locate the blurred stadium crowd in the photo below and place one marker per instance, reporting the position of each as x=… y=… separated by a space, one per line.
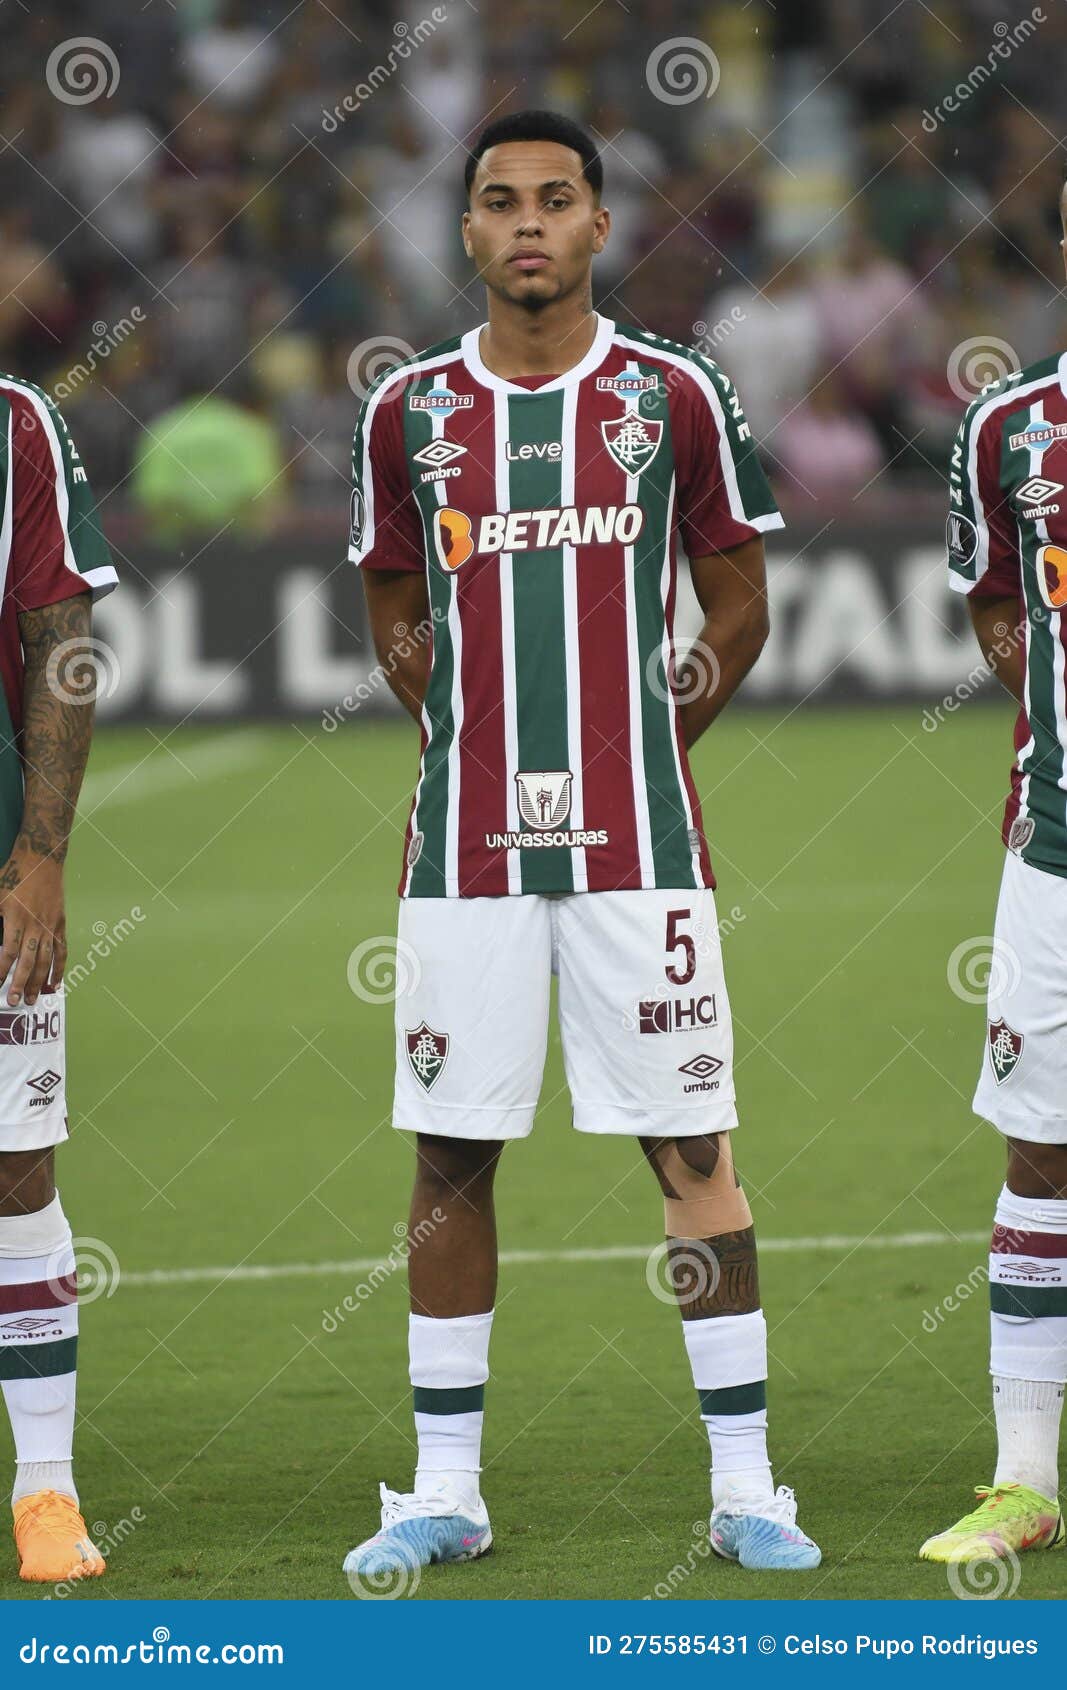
x=214 y=250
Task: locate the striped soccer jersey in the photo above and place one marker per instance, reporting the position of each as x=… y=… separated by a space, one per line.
x=545 y=514
x=1007 y=538
x=51 y=548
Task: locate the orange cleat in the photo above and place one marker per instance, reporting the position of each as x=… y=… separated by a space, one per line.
x=52 y=1541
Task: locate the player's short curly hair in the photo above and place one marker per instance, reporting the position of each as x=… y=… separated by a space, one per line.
x=540 y=126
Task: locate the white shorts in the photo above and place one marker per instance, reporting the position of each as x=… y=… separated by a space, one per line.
x=1022 y=1088
x=33 y=1072
x=643 y=1012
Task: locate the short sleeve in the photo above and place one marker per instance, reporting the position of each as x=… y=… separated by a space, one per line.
x=723 y=495
x=386 y=529
x=981 y=534
x=57 y=545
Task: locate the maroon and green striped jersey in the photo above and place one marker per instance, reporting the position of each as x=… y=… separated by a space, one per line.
x=545 y=513
x=1007 y=539
x=51 y=547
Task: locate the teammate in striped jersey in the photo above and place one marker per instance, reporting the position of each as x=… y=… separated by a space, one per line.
x=518 y=496
x=1007 y=544
x=54 y=560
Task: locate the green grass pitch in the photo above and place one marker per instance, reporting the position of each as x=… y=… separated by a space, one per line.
x=230 y=1098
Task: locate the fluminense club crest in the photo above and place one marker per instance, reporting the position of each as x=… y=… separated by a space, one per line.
x=632 y=440
x=1005 y=1049
x=427 y=1053
x=544 y=797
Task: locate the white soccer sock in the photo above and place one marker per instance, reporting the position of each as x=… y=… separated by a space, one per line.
x=39 y=1326
x=449 y=1365
x=1028 y=1337
x=728 y=1356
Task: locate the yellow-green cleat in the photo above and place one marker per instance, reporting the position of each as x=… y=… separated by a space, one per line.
x=1008 y=1519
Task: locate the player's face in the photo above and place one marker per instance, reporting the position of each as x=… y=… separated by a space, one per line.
x=533 y=225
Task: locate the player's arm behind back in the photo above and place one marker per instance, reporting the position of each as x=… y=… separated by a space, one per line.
x=58 y=560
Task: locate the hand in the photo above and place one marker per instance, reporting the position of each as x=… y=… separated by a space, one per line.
x=33 y=913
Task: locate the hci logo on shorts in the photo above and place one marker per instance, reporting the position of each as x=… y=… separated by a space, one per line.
x=1005 y=1049
x=427 y=1052
x=676 y=1015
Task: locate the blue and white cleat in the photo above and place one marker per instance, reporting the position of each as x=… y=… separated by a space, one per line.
x=418 y=1530
x=762 y=1534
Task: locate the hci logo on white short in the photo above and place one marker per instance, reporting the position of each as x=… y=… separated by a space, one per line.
x=676 y=1015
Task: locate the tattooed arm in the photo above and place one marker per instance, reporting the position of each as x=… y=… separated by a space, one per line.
x=56 y=731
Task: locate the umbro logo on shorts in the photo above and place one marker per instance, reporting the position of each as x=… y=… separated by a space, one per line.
x=44 y=1085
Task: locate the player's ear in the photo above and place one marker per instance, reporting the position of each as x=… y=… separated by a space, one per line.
x=601 y=227
x=466 y=224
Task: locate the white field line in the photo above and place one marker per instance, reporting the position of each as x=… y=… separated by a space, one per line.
x=534 y=1258
x=157 y=771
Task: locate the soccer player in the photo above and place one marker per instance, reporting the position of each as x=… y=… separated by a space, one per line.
x=54 y=559
x=519 y=491
x=1007 y=544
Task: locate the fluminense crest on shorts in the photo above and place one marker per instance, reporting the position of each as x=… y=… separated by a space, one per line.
x=632 y=441
x=427 y=1053
x=544 y=797
x=1005 y=1049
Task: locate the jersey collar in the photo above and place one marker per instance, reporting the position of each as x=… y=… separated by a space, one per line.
x=605 y=331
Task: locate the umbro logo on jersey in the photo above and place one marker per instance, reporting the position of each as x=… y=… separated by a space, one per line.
x=631 y=441
x=1034 y=495
x=438 y=452
x=1037 y=436
x=1052 y=576
x=1037 y=491
x=458 y=537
